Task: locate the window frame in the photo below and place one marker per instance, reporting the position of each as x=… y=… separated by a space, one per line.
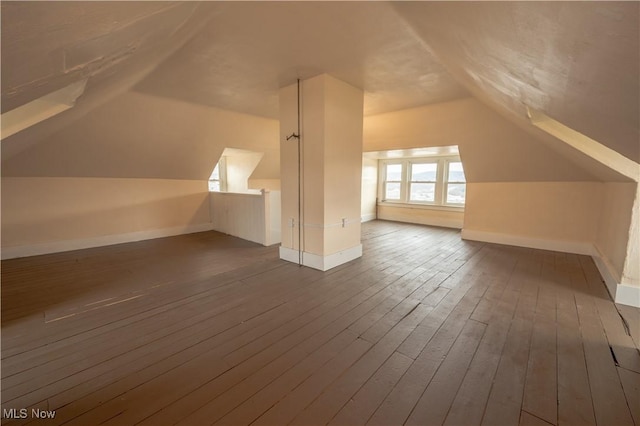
x=441 y=183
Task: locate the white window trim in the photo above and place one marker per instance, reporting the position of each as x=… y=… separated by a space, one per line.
x=442 y=173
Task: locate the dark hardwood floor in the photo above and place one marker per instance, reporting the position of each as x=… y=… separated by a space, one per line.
x=423 y=329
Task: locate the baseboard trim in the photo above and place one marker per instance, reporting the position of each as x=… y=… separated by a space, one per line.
x=628 y=295
x=107 y=240
x=444 y=223
x=322 y=263
x=368 y=217
x=575 y=247
x=621 y=293
x=610 y=277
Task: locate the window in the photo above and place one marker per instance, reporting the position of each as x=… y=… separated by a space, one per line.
x=455 y=184
x=393 y=181
x=217 y=180
x=422 y=186
x=435 y=181
x=214 y=180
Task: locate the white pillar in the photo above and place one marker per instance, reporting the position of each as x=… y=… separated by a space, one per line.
x=330 y=168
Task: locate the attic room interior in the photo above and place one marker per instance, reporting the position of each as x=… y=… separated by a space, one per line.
x=311 y=213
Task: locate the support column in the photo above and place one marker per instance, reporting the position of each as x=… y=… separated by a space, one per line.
x=324 y=230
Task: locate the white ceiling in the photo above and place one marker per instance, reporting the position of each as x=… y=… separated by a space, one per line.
x=578 y=61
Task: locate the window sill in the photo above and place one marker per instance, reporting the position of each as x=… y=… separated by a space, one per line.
x=449 y=208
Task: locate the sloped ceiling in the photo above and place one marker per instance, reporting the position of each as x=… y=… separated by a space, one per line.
x=251 y=49
x=577 y=62
x=48 y=45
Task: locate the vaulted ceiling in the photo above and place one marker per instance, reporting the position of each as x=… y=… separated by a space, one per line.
x=577 y=61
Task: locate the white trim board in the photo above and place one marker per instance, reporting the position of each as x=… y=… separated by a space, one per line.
x=429 y=221
x=620 y=293
x=106 y=240
x=628 y=295
x=575 y=247
x=322 y=263
x=610 y=277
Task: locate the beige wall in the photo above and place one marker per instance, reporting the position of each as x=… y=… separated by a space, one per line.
x=142 y=136
x=556 y=211
x=45 y=210
x=491 y=148
x=270 y=184
x=343 y=164
x=435 y=217
x=332 y=165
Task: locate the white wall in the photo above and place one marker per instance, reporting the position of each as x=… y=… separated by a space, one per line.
x=142 y=136
x=252 y=217
x=44 y=215
x=369 y=188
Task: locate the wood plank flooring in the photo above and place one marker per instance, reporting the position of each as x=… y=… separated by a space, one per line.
x=424 y=329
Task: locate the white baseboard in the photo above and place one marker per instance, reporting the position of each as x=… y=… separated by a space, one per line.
x=621 y=293
x=628 y=295
x=107 y=240
x=322 y=263
x=610 y=277
x=576 y=247
x=275 y=237
x=431 y=221
x=367 y=217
